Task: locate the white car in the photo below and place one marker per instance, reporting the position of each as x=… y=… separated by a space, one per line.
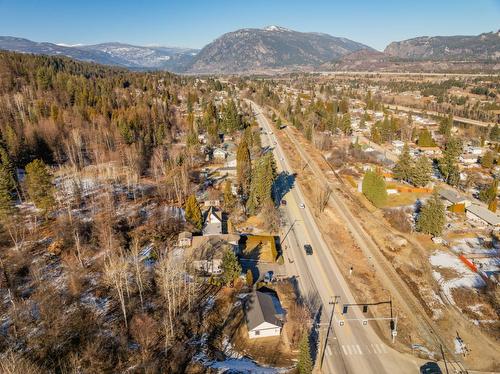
x=302 y=206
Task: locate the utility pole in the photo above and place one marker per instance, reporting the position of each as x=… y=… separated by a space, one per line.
x=334 y=302
x=444 y=359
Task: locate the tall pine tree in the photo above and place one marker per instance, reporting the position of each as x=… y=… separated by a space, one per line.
x=421 y=172
x=243 y=169
x=432 y=216
x=39 y=185
x=305 y=364
x=193 y=212
x=403 y=168
x=374 y=188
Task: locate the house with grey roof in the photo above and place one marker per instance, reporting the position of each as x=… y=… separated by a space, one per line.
x=451 y=197
x=264 y=316
x=485 y=215
x=212 y=222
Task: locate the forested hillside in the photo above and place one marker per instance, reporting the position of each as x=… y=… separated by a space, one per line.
x=95 y=166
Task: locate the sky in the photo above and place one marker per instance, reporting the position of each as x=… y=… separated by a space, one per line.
x=194 y=23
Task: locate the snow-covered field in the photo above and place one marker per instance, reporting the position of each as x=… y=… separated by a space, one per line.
x=464 y=276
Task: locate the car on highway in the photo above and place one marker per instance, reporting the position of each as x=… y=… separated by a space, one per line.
x=308 y=249
x=430 y=368
x=302 y=206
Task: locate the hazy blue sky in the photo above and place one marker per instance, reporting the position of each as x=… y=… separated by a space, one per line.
x=196 y=23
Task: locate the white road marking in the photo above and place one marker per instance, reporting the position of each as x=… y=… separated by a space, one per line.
x=328 y=350
x=344 y=349
x=359 y=349
x=375 y=348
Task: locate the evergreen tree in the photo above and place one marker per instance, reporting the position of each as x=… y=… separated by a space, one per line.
x=231 y=118
x=231 y=268
x=193 y=212
x=487 y=160
x=346 y=124
x=448 y=163
x=305 y=364
x=261 y=189
x=249 y=278
x=228 y=195
x=374 y=188
x=403 y=169
x=495 y=133
x=489 y=194
x=243 y=169
x=39 y=185
x=432 y=216
x=421 y=172
x=6 y=190
x=425 y=139
x=445 y=125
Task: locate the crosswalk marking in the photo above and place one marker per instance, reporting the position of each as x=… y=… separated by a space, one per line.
x=356 y=349
x=344 y=349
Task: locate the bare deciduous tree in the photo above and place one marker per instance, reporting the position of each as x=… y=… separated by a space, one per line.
x=116 y=276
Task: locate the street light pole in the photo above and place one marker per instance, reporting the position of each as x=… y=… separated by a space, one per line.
x=334 y=302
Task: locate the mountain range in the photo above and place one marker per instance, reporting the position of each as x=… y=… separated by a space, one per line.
x=117 y=54
x=275 y=49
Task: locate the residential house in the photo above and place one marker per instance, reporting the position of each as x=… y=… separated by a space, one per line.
x=485 y=215
x=468 y=159
x=219 y=154
x=212 y=222
x=185 y=239
x=264 y=316
x=230 y=162
x=206 y=252
x=452 y=198
x=213 y=202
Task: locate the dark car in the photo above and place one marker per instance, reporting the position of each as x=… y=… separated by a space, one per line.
x=283 y=202
x=430 y=368
x=308 y=249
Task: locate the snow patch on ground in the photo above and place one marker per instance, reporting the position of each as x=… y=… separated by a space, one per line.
x=234 y=362
x=465 y=277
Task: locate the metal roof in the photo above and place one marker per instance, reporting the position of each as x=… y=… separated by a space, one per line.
x=485 y=214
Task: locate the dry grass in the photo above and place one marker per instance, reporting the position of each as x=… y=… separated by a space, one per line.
x=264 y=245
x=404 y=199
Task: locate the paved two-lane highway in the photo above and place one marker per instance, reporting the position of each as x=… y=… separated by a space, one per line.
x=354 y=347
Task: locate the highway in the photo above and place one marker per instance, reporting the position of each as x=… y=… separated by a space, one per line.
x=353 y=347
x=433 y=113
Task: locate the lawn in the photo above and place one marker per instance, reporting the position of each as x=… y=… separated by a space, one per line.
x=404 y=199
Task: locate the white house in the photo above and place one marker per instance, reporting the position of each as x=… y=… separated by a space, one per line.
x=220 y=154
x=212 y=222
x=264 y=315
x=398 y=144
x=230 y=162
x=206 y=252
x=185 y=239
x=468 y=159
